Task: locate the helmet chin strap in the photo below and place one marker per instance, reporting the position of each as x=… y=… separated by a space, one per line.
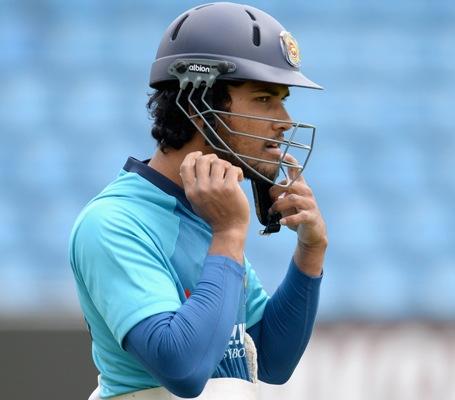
x=203 y=73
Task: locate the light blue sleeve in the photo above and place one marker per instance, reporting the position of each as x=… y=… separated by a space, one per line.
x=125 y=274
x=256 y=296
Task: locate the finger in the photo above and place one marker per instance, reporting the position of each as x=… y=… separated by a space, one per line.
x=289 y=158
x=187 y=171
x=299 y=187
x=293 y=172
x=293 y=202
x=304 y=217
x=276 y=191
x=192 y=156
x=203 y=165
x=218 y=169
x=233 y=175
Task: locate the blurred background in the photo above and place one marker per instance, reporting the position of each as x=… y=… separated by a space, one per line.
x=73 y=88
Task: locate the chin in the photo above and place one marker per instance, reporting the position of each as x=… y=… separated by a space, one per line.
x=268 y=170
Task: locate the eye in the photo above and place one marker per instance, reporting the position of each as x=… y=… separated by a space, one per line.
x=263 y=99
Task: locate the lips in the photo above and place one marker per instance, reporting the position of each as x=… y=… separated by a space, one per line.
x=273 y=148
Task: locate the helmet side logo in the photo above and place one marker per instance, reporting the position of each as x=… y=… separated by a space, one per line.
x=205 y=69
x=290 y=48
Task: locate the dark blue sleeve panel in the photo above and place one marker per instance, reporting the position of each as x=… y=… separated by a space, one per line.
x=285 y=328
x=181 y=349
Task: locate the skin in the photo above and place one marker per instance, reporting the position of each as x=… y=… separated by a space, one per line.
x=211 y=181
x=256 y=99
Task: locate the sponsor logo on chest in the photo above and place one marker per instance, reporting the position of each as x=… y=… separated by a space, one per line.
x=236 y=348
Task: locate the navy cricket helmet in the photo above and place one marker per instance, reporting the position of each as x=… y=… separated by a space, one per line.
x=255 y=42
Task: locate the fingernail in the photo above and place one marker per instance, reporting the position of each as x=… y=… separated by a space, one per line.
x=283 y=221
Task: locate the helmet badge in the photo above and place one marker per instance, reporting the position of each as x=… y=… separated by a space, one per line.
x=290 y=48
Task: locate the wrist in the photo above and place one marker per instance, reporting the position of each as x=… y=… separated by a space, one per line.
x=317 y=247
x=229 y=243
x=309 y=258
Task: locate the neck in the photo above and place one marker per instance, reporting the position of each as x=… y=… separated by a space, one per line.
x=168 y=164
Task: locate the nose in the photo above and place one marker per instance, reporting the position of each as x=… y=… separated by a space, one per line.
x=283 y=122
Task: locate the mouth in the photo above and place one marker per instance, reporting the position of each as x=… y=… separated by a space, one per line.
x=273 y=148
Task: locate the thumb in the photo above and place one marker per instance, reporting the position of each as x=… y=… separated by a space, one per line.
x=293 y=172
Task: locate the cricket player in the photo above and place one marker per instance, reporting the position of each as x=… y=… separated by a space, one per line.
x=173 y=306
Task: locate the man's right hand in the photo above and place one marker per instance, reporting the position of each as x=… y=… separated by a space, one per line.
x=212 y=187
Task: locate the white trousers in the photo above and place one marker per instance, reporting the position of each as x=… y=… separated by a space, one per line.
x=215 y=389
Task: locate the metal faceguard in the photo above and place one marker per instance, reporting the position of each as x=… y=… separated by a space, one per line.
x=204 y=72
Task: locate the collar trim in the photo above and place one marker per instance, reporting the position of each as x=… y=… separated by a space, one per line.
x=153 y=176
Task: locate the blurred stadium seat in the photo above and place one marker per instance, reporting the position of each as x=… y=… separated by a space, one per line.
x=72 y=108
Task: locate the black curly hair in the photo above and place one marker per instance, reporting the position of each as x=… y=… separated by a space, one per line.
x=171 y=128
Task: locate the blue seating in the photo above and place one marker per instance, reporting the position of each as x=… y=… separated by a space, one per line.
x=72 y=108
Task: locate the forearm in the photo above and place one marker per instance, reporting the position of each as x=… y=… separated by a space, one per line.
x=200 y=327
x=286 y=326
x=310 y=259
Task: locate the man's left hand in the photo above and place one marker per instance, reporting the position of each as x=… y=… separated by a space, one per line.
x=300 y=211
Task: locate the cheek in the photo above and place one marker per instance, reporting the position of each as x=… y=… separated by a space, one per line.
x=251 y=126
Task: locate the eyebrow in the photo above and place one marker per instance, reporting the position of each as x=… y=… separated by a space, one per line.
x=270 y=90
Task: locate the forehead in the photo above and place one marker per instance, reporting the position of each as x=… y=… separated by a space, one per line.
x=262 y=87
